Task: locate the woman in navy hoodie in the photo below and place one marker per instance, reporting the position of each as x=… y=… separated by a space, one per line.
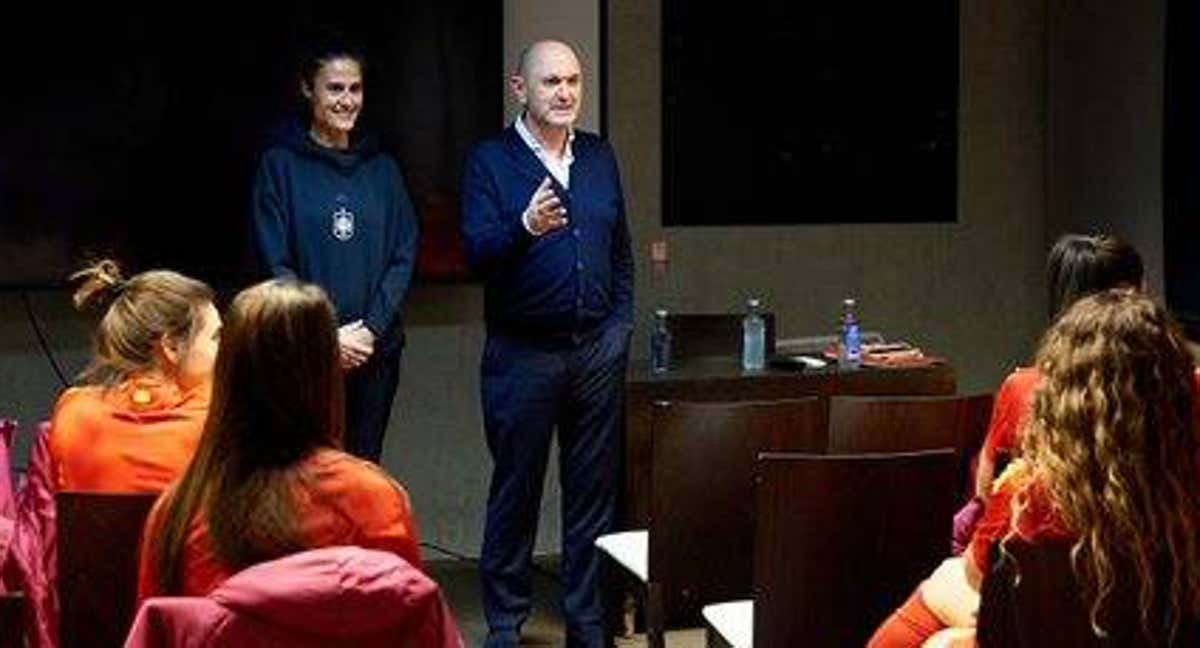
x=330 y=208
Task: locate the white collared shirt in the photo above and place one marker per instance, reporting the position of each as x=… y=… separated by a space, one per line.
x=559 y=167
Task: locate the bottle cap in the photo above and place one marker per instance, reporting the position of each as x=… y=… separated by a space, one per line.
x=753 y=302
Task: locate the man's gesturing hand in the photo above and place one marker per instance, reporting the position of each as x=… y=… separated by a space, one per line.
x=545 y=212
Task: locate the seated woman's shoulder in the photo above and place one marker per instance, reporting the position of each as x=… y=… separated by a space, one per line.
x=78 y=396
x=342 y=470
x=1024 y=376
x=76 y=404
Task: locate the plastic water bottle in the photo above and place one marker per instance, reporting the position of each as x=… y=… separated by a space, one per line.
x=754 y=334
x=660 y=343
x=850 y=347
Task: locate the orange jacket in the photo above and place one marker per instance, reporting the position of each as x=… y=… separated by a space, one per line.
x=343 y=500
x=136 y=437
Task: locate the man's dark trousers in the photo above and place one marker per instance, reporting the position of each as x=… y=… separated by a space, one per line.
x=530 y=388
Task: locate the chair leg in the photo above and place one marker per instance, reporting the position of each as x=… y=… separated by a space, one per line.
x=628 y=608
x=620 y=605
x=12 y=612
x=713 y=639
x=654 y=616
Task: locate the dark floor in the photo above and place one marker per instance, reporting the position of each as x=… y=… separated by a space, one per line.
x=459 y=579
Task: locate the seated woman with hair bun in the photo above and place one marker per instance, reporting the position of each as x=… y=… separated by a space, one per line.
x=130 y=425
x=133 y=422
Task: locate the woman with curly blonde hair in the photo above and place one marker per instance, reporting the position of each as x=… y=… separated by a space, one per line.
x=1109 y=463
x=1112 y=454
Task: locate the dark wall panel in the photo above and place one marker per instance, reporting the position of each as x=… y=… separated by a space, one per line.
x=784 y=112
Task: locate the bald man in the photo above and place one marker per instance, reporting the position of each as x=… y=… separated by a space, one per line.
x=544 y=222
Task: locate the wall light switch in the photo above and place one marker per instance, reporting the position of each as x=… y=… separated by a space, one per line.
x=659 y=251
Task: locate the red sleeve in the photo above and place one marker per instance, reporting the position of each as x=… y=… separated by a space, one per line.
x=147 y=582
x=381 y=512
x=995 y=523
x=1014 y=401
x=70 y=410
x=392 y=527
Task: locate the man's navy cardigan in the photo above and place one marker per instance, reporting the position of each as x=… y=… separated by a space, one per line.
x=564 y=285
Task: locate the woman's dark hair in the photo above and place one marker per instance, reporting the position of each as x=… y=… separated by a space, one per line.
x=1082 y=265
x=139 y=312
x=277 y=396
x=324 y=47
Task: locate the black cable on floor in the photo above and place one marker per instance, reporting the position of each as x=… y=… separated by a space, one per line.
x=449 y=552
x=37 y=329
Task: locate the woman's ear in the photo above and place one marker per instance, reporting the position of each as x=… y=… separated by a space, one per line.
x=306 y=89
x=168 y=351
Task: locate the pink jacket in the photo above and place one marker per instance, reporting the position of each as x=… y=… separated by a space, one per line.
x=8 y=508
x=336 y=596
x=31 y=565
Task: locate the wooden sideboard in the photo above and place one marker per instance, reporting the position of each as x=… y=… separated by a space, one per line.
x=722 y=379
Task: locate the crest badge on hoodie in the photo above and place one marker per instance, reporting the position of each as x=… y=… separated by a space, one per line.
x=343 y=224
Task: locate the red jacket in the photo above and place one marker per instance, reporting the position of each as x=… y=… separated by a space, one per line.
x=135 y=437
x=340 y=500
x=335 y=596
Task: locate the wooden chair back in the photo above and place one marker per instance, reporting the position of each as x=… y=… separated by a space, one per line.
x=98 y=539
x=1031 y=587
x=12 y=620
x=911 y=423
x=841 y=540
x=702 y=510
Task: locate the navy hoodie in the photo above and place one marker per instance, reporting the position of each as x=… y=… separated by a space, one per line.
x=340 y=219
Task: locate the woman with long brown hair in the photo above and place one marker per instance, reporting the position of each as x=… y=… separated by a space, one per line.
x=133 y=422
x=269 y=478
x=1109 y=462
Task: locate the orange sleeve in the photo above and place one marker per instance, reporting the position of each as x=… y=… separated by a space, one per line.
x=63 y=422
x=384 y=515
x=1013 y=404
x=997 y=516
x=147 y=583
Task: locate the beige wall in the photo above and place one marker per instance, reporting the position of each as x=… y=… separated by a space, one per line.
x=1105 y=69
x=575 y=21
x=968 y=290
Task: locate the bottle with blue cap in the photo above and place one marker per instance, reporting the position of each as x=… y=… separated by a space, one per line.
x=850 y=344
x=660 y=343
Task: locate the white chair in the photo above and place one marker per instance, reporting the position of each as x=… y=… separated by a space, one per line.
x=731 y=624
x=630 y=549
